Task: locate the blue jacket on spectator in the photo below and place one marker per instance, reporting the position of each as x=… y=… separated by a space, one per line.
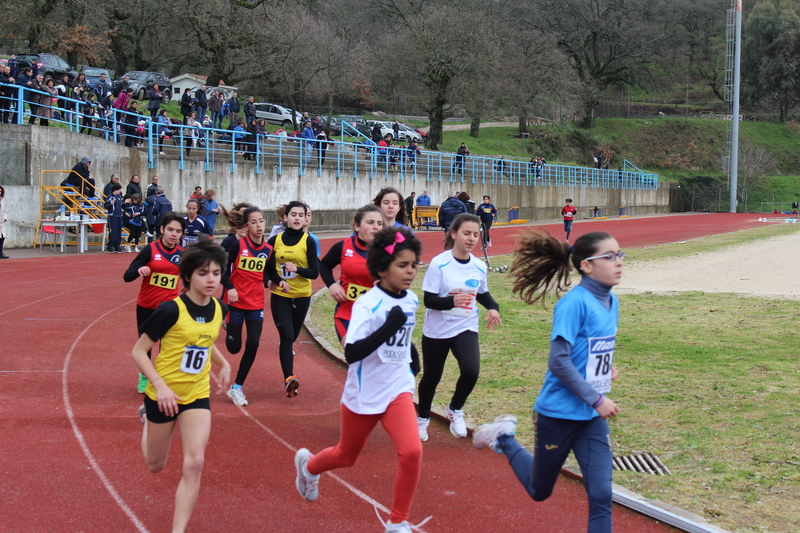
x=161 y=206
x=450 y=208
x=238 y=133
x=114 y=205
x=133 y=213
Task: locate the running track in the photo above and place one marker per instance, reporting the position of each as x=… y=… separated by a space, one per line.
x=69 y=444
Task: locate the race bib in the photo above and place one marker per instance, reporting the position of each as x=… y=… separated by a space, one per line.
x=189 y=239
x=194 y=359
x=463 y=312
x=600 y=362
x=397 y=348
x=252 y=264
x=164 y=281
x=354 y=291
x=285 y=274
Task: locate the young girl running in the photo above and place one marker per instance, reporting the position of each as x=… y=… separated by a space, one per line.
x=244 y=281
x=572 y=408
x=157 y=263
x=195 y=225
x=291 y=268
x=236 y=227
x=179 y=385
x=454 y=282
x=392 y=206
x=351 y=254
x=379 y=383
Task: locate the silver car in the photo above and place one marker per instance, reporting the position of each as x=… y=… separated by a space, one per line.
x=275 y=114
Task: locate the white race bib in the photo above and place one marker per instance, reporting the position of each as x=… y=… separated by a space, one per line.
x=600 y=362
x=194 y=359
x=397 y=348
x=463 y=312
x=285 y=274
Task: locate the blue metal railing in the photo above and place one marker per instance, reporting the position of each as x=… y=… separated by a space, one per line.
x=212 y=145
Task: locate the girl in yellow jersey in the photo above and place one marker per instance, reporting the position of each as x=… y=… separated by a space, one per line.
x=292 y=266
x=179 y=378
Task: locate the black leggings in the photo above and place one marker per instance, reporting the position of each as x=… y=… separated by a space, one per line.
x=233 y=342
x=142 y=314
x=288 y=314
x=134 y=234
x=486 y=227
x=434 y=354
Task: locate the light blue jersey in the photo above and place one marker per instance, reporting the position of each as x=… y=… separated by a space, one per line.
x=580 y=319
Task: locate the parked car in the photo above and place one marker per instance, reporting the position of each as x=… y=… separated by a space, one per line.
x=386 y=127
x=142 y=81
x=276 y=114
x=333 y=129
x=423 y=137
x=357 y=122
x=409 y=133
x=50 y=65
x=226 y=93
x=93 y=74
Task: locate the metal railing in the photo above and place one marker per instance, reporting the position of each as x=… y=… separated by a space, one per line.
x=268 y=152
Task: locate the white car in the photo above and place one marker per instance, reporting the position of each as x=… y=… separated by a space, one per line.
x=408 y=134
x=275 y=114
x=386 y=127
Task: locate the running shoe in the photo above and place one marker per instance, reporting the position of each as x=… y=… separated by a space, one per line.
x=486 y=436
x=291 y=386
x=128 y=248
x=118 y=251
x=148 y=234
x=237 y=395
x=422 y=425
x=490 y=244
x=142 y=413
x=402 y=527
x=136 y=249
x=307 y=484
x=457 y=426
x=142 y=383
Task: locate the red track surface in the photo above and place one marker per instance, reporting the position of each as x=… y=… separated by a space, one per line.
x=69 y=444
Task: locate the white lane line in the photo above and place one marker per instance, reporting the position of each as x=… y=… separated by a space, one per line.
x=375 y=503
x=79 y=436
x=82 y=289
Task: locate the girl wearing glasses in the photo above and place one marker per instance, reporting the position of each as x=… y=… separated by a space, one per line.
x=571 y=411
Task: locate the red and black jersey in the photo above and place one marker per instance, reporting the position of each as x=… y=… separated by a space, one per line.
x=247 y=273
x=568 y=211
x=163 y=282
x=355 y=277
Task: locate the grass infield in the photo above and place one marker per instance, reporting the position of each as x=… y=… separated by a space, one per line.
x=709 y=382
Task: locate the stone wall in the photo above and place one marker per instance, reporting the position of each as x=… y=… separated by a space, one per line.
x=26 y=151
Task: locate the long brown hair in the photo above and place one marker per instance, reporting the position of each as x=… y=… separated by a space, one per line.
x=449 y=242
x=234 y=216
x=401 y=214
x=543 y=264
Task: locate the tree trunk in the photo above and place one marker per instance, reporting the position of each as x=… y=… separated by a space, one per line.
x=523 y=119
x=330 y=113
x=475 y=127
x=436 y=116
x=290 y=98
x=588 y=119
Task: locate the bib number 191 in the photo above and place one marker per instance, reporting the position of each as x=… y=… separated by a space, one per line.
x=194 y=359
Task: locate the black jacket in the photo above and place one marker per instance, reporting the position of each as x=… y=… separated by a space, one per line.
x=186 y=104
x=200 y=96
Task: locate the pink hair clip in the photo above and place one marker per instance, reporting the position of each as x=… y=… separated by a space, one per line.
x=399 y=237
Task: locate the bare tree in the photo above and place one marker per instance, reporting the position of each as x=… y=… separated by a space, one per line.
x=756 y=164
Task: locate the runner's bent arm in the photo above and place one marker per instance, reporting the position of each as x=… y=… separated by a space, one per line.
x=331 y=260
x=361 y=349
x=138 y=262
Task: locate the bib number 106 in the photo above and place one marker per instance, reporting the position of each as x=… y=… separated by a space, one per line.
x=194 y=359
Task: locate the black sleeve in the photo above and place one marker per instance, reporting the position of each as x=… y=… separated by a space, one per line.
x=415 y=366
x=272 y=264
x=354 y=352
x=233 y=252
x=329 y=262
x=486 y=300
x=225 y=309
x=440 y=303
x=138 y=262
x=312 y=256
x=164 y=317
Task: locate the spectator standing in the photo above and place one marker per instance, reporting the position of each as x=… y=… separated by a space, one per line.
x=88 y=110
x=162 y=129
x=103 y=86
x=3 y=220
x=239 y=134
x=126 y=82
x=450 y=209
x=108 y=188
x=132 y=123
x=79 y=87
x=114 y=206
x=186 y=104
x=7 y=94
x=154 y=95
x=412 y=152
x=134 y=187
x=46 y=101
x=423 y=199
x=209 y=198
x=250 y=145
x=235 y=107
x=161 y=206
x=215 y=105
x=308 y=135
x=468 y=203
x=305 y=120
x=322 y=146
x=396 y=129
x=191 y=133
x=13 y=66
x=376 y=133
x=410 y=205
x=461 y=155
x=152 y=189
x=34 y=98
x=25 y=80
x=63 y=93
x=201 y=103
x=250 y=109
x=133 y=212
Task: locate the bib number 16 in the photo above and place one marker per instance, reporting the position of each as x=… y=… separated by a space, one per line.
x=194 y=359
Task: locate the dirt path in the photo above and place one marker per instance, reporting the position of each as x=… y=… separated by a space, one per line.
x=766 y=268
x=461 y=127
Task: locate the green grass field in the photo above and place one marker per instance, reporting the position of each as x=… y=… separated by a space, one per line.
x=708 y=382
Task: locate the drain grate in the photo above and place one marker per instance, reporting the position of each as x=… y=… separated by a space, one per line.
x=646 y=463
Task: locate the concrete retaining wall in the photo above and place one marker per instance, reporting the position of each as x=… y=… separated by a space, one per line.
x=27 y=150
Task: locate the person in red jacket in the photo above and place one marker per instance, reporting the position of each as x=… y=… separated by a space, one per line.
x=568 y=212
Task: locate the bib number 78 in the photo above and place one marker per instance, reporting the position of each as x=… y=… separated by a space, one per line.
x=600 y=363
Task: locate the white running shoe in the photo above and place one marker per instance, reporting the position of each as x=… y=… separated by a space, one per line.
x=128 y=248
x=148 y=234
x=136 y=249
x=457 y=426
x=486 y=436
x=490 y=244
x=402 y=527
x=237 y=395
x=306 y=483
x=422 y=425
